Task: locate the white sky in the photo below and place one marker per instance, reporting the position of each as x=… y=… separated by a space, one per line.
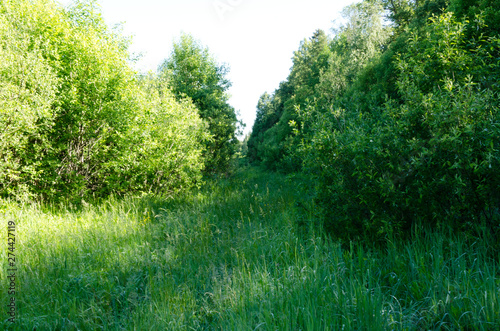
x=255 y=38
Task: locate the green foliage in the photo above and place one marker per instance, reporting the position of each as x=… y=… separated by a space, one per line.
x=398 y=130
x=92 y=108
x=161 y=150
x=414 y=13
x=192 y=72
x=272 y=141
x=400 y=11
x=355 y=43
x=323 y=70
x=264 y=119
x=89 y=69
x=488 y=9
x=432 y=159
x=27 y=91
x=77 y=123
x=452 y=131
x=269 y=112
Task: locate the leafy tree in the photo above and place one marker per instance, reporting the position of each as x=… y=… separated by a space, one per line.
x=308 y=63
x=485 y=10
x=265 y=118
x=161 y=148
x=277 y=140
x=356 y=43
x=87 y=66
x=71 y=106
x=192 y=72
x=28 y=88
x=400 y=12
x=270 y=109
x=402 y=127
x=323 y=70
x=428 y=159
x=92 y=108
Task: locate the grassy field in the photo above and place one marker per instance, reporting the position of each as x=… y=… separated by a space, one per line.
x=244 y=253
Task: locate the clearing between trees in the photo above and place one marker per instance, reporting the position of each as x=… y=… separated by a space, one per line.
x=243 y=253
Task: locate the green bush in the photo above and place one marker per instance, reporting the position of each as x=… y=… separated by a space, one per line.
x=191 y=71
x=78 y=122
x=28 y=86
x=161 y=150
x=432 y=158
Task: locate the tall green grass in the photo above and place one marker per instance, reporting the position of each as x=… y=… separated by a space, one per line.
x=244 y=253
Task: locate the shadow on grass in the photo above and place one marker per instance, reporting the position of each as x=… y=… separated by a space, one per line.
x=94 y=267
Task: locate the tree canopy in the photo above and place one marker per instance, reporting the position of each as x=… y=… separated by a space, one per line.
x=394 y=118
x=193 y=72
x=77 y=121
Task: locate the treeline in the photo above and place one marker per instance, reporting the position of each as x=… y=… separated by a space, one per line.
x=395 y=117
x=76 y=121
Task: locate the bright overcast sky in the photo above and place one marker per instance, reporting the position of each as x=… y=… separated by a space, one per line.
x=255 y=38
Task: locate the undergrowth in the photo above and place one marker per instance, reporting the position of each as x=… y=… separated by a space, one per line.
x=244 y=253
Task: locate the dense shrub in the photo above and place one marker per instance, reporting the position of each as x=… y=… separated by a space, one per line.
x=161 y=150
x=432 y=158
x=400 y=124
x=323 y=69
x=191 y=71
x=76 y=119
x=28 y=86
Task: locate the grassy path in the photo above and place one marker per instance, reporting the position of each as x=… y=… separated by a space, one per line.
x=237 y=254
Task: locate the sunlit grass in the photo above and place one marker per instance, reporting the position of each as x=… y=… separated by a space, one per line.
x=232 y=256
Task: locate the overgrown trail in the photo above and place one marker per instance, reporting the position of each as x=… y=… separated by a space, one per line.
x=238 y=254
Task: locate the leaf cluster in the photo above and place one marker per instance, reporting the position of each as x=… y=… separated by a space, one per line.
x=402 y=128
x=192 y=72
x=76 y=121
